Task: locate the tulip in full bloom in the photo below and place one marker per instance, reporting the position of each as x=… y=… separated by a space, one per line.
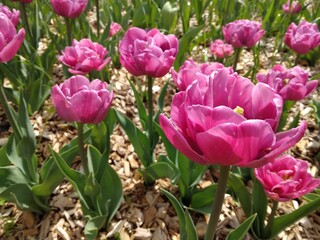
x=78 y=99
x=191 y=71
x=302 y=38
x=219 y=124
x=23 y=1
x=149 y=53
x=84 y=56
x=286 y=178
x=290 y=84
x=10 y=40
x=69 y=8
x=220 y=49
x=13 y=15
x=243 y=33
x=294 y=7
x=114 y=28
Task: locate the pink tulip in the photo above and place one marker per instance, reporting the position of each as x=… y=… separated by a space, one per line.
x=69 y=8
x=295 y=7
x=114 y=28
x=286 y=178
x=84 y=56
x=302 y=38
x=242 y=33
x=228 y=123
x=10 y=40
x=78 y=99
x=148 y=52
x=23 y=1
x=13 y=15
x=191 y=71
x=220 y=49
x=290 y=84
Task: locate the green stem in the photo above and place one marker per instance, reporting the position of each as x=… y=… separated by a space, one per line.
x=266 y=232
x=25 y=18
x=150 y=111
x=98 y=18
x=218 y=202
x=9 y=113
x=69 y=31
x=82 y=151
x=236 y=58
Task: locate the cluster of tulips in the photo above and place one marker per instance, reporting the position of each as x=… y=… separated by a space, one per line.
x=218 y=117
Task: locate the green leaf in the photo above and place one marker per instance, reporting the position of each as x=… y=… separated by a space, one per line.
x=282 y=222
x=202 y=199
x=295 y=121
x=169 y=17
x=285 y=112
x=170 y=149
x=159 y=170
x=93 y=226
x=184 y=45
x=137 y=138
x=187 y=229
x=237 y=185
x=10 y=175
x=4 y=161
x=241 y=231
x=93 y=156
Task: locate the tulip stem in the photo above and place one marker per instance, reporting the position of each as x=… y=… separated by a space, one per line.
x=69 y=31
x=236 y=58
x=25 y=18
x=82 y=151
x=150 y=111
x=218 y=202
x=98 y=18
x=267 y=229
x=9 y=113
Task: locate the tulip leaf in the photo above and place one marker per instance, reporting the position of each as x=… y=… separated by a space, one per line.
x=184 y=44
x=137 y=138
x=161 y=101
x=241 y=231
x=93 y=226
x=4 y=161
x=187 y=228
x=202 y=200
x=295 y=121
x=93 y=156
x=170 y=149
x=282 y=222
x=169 y=17
x=159 y=170
x=10 y=175
x=241 y=191
x=260 y=203
x=285 y=112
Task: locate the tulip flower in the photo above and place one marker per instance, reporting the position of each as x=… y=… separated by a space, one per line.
x=302 y=38
x=76 y=99
x=290 y=84
x=191 y=71
x=13 y=15
x=148 y=53
x=69 y=8
x=220 y=49
x=84 y=56
x=219 y=124
x=114 y=28
x=243 y=33
x=286 y=178
x=294 y=7
x=10 y=40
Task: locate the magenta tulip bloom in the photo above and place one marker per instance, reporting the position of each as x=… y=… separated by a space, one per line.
x=302 y=38
x=149 y=53
x=191 y=71
x=286 y=178
x=243 y=33
x=13 y=15
x=69 y=8
x=114 y=28
x=84 y=56
x=10 y=40
x=290 y=84
x=228 y=123
x=78 y=99
x=220 y=49
x=295 y=7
